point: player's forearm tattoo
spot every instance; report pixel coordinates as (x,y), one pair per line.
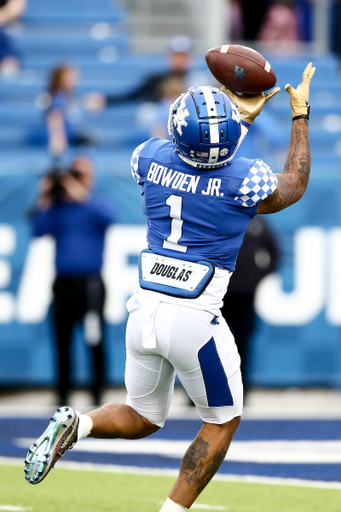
(193,466)
(298,160)
(293,182)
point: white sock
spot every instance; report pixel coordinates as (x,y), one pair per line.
(170,506)
(85,425)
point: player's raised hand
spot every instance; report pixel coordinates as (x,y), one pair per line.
(250,105)
(299,97)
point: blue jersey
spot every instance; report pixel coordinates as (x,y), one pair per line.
(197,214)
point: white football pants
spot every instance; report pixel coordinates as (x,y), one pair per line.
(189,343)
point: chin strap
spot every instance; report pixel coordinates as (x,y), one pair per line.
(200,165)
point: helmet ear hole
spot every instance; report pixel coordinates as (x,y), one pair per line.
(206,127)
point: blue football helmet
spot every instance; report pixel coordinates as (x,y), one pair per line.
(206,127)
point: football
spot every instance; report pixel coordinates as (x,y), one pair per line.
(240,68)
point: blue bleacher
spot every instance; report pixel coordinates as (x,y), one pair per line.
(67,47)
(74,11)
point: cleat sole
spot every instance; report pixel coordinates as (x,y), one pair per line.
(59,436)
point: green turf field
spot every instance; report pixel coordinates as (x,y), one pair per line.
(67,490)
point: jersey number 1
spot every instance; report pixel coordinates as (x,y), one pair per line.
(175,204)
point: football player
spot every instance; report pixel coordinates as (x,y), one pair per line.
(198,200)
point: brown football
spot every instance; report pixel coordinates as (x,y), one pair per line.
(240,68)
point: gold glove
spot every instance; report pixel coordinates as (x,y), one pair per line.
(299,97)
(250,105)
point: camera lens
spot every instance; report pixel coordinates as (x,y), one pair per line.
(75,173)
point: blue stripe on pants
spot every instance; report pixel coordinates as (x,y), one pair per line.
(216,382)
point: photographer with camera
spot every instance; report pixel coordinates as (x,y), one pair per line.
(77,219)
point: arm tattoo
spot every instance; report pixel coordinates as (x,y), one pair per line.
(193,466)
(293,182)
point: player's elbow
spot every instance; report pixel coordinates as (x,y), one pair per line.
(295,185)
(301,188)
(298,192)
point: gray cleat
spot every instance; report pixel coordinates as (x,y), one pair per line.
(60,435)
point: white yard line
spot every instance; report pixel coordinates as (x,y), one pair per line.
(263,452)
(13,508)
(132,470)
(202,506)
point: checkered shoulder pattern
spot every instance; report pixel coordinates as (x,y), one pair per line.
(135,163)
(258,185)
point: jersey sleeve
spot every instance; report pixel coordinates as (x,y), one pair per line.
(259,183)
(135,164)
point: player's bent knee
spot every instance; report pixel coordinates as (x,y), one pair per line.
(124,421)
(235,422)
(147,429)
(232,424)
(229,427)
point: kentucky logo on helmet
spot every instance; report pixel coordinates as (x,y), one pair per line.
(235,112)
(179,118)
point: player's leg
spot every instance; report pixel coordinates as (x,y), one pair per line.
(149,379)
(150,383)
(113,420)
(208,366)
(201,461)
(67,427)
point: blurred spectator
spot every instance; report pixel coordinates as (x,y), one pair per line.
(257,258)
(10,11)
(253,17)
(305,16)
(77,220)
(155,115)
(336,27)
(170,89)
(64,111)
(157,91)
(235,20)
(179,65)
(280,25)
